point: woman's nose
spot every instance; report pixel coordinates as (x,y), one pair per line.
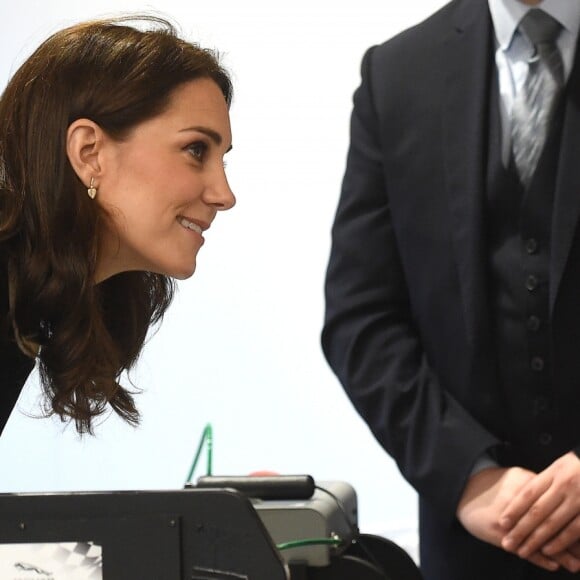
(219,194)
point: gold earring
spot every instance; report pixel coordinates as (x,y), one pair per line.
(92,190)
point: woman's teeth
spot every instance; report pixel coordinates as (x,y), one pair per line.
(190,225)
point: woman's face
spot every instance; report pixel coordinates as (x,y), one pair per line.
(163,185)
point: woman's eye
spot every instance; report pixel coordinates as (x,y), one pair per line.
(197,150)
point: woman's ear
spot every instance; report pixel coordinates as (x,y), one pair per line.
(84,142)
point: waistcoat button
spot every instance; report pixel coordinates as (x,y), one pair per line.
(531,282)
(540,404)
(531,246)
(533,323)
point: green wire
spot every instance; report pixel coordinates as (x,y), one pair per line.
(208,432)
(309,542)
(207,438)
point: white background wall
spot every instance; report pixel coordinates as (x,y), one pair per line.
(240,345)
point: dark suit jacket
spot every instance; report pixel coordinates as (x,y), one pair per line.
(407,324)
(14,365)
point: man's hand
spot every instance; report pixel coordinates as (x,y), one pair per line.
(569,558)
(486,497)
(545,514)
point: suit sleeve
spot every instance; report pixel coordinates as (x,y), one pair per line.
(370,337)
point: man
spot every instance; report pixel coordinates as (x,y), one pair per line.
(453,287)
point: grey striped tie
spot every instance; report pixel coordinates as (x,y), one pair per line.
(535,103)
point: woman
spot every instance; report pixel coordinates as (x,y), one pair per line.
(111,168)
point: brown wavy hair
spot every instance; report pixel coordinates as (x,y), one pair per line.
(118,76)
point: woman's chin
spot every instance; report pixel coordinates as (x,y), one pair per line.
(183,274)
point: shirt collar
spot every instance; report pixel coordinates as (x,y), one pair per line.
(506,15)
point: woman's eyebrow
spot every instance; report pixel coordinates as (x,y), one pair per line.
(213,135)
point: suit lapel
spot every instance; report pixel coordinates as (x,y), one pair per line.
(567,196)
(465,126)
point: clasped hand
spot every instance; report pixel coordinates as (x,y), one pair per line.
(536,516)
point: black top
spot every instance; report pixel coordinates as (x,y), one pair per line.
(14,365)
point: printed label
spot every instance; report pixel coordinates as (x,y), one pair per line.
(54,561)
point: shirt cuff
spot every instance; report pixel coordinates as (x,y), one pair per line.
(483,462)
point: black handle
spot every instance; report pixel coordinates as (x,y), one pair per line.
(264,487)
